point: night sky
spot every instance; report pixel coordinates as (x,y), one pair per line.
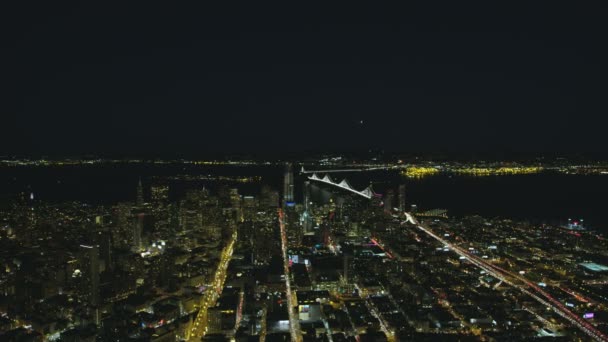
(164,79)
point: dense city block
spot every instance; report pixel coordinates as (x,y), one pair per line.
(216,264)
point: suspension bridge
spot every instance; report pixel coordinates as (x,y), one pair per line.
(367,192)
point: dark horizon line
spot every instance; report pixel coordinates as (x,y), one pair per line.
(303,155)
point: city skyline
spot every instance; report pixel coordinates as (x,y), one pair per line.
(301,252)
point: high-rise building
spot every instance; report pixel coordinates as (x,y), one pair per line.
(288,186)
(140,194)
(388,201)
(173,214)
(293,225)
(249,206)
(307,195)
(236,203)
(345,266)
(138,227)
(307,220)
(121,234)
(104,239)
(89,270)
(402,197)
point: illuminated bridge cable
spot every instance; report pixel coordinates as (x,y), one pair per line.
(367,192)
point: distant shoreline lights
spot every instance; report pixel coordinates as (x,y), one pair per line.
(419,172)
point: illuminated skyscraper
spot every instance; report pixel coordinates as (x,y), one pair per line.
(292,218)
(307,195)
(89,268)
(306,217)
(121,234)
(288,186)
(104,240)
(236,202)
(138,227)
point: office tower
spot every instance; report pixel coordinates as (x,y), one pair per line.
(388,201)
(307,220)
(102,237)
(307,195)
(104,240)
(89,270)
(173,217)
(138,228)
(402,197)
(236,204)
(122,232)
(293,225)
(288,186)
(249,207)
(345,268)
(140,194)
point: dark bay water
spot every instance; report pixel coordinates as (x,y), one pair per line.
(545,197)
(107,184)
